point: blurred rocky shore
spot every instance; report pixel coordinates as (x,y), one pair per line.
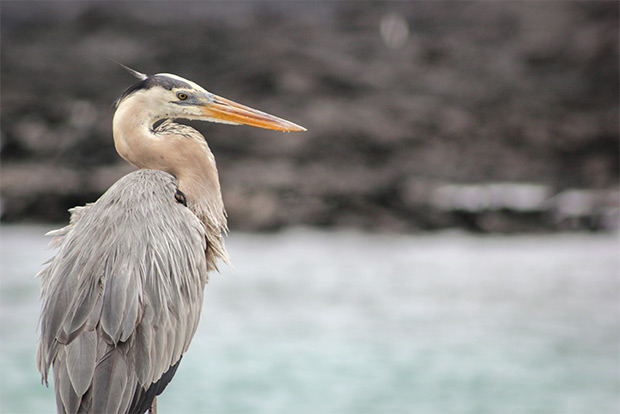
(488,116)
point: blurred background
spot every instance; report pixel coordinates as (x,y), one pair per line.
(420,115)
(447,226)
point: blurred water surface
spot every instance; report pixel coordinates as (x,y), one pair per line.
(346,322)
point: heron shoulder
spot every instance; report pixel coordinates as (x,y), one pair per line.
(155,187)
(139,206)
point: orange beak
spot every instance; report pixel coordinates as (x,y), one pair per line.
(227,110)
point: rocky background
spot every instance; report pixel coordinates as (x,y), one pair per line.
(489,116)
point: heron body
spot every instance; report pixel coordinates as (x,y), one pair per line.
(121,299)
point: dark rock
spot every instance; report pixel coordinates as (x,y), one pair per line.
(399,98)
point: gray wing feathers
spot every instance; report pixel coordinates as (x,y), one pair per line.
(81,355)
(113,383)
(131,311)
(123,296)
(117,299)
(86,306)
(67,401)
(142,360)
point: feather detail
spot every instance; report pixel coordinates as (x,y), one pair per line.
(80,360)
(65,394)
(109,382)
(134,72)
(114,298)
(130,309)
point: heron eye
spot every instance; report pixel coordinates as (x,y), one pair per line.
(182,96)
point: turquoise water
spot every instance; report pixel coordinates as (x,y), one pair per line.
(346,322)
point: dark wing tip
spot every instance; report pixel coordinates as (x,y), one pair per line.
(143,398)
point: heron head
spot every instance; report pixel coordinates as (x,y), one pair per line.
(165,95)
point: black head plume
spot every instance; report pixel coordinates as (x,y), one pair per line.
(135,73)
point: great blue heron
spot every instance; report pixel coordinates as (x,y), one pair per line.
(122,297)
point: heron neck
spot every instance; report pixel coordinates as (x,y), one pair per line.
(179,150)
(174,148)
